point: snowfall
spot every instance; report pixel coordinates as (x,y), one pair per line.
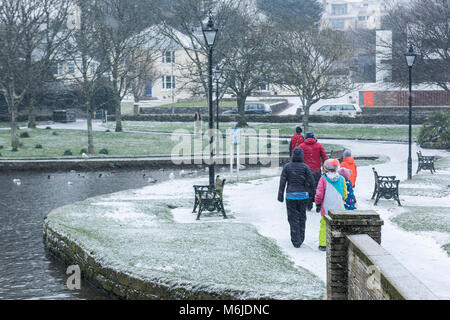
(252,205)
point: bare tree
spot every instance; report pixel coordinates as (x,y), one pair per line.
(43,43)
(83,51)
(311,63)
(141,71)
(122,41)
(247,56)
(424,25)
(17,18)
(182,24)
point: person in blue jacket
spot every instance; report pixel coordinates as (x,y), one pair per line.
(299,179)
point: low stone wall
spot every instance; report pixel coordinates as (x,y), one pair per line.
(374,274)
(358,268)
(115,281)
(8,165)
(276,108)
(369,119)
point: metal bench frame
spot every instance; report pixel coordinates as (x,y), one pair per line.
(425,163)
(386,187)
(209,198)
(336,154)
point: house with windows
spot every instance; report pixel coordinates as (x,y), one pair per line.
(171,62)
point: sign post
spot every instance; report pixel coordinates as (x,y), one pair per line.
(236,140)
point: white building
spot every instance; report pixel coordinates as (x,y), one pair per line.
(353,14)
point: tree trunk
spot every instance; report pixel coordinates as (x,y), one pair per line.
(136,106)
(241,112)
(14,138)
(118,115)
(31,112)
(306,118)
(89,128)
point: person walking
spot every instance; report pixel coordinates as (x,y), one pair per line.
(296,140)
(330,195)
(350,202)
(315,155)
(348,162)
(298,177)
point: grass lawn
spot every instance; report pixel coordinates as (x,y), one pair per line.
(321,130)
(55,142)
(432,186)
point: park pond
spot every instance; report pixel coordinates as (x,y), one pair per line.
(27,272)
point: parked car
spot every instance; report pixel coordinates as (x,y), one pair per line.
(346,110)
(252,108)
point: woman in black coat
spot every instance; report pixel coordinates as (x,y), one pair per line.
(299,181)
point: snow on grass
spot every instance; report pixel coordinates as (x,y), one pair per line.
(147,239)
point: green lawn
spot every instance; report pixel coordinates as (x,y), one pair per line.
(321,130)
(117,144)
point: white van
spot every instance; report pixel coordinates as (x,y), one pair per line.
(346,110)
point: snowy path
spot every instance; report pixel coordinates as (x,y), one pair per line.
(256,203)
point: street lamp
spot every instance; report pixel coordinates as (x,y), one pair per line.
(217,75)
(209,33)
(410,57)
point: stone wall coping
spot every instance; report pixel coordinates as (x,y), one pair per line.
(354,214)
(393,273)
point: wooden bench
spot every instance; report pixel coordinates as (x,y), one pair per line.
(425,163)
(336,154)
(386,187)
(209,198)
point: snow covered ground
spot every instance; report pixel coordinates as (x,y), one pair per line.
(254,202)
(421,252)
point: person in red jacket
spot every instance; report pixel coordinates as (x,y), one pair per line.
(296,140)
(315,155)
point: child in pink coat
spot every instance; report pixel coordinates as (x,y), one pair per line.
(331,193)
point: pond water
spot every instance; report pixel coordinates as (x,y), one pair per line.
(27,271)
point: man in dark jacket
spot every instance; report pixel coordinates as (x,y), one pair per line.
(296,140)
(299,180)
(315,156)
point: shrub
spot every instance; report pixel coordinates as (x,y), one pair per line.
(103,151)
(48,128)
(83,151)
(54,133)
(1,147)
(24,135)
(38,146)
(68,152)
(107,130)
(435,133)
(14,149)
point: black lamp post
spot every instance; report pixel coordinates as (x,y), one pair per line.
(217,75)
(209,33)
(410,57)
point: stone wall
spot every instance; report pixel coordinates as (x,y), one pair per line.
(374,274)
(358,268)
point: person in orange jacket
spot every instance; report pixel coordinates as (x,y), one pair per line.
(349,163)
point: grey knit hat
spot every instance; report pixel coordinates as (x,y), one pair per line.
(347,153)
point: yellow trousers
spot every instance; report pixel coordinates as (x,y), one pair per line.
(323,232)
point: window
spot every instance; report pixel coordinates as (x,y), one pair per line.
(362,18)
(337,24)
(92,70)
(338,9)
(263,87)
(334,108)
(71,68)
(168,56)
(168,82)
(324,108)
(260,107)
(348,108)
